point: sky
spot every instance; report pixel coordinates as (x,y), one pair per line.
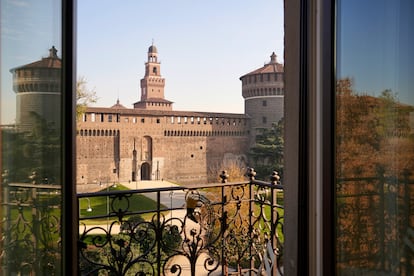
(29,28)
(387,25)
(204,47)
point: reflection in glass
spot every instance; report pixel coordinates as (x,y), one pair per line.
(375,137)
(30,139)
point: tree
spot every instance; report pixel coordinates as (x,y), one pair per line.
(84,96)
(234,168)
(371,133)
(37,150)
(267,154)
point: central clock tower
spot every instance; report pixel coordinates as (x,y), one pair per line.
(152,85)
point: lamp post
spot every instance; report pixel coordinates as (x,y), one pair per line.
(88,209)
(107,203)
(171,199)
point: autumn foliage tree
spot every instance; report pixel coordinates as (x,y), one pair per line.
(84,96)
(371,133)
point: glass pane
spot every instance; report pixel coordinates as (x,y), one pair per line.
(177,118)
(374,137)
(30,140)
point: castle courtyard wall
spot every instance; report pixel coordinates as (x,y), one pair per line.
(114,145)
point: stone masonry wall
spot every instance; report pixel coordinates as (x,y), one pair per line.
(178,146)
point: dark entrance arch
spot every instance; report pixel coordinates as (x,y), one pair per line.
(145,171)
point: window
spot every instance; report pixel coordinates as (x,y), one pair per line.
(351,231)
(264,120)
(22,251)
(264,103)
(381,127)
(67,193)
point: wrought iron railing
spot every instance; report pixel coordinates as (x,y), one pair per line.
(30,228)
(213,229)
(375,225)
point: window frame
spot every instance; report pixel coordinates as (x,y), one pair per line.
(70,228)
(309,143)
(308,34)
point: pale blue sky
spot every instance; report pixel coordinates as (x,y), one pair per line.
(29,28)
(375,40)
(204,47)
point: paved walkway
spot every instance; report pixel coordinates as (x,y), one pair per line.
(173,199)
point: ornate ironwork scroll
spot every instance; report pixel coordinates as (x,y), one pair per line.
(220,229)
(31,228)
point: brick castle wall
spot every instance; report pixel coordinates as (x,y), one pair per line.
(133,145)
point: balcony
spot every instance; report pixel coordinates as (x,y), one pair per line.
(212,229)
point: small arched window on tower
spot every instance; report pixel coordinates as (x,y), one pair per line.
(154,70)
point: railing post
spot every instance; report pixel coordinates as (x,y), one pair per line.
(224,176)
(380,172)
(35,224)
(6,214)
(251,174)
(158,233)
(274,179)
(406,225)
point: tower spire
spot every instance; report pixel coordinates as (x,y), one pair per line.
(53,52)
(273,58)
(152,85)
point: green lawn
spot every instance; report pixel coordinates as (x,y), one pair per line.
(281,212)
(99,205)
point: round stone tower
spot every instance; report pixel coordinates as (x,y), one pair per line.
(263,93)
(38,92)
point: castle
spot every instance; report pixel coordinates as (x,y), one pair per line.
(151,141)
(38,91)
